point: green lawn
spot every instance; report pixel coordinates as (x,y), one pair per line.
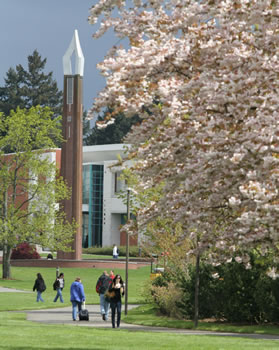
(24,277)
(89,256)
(147,315)
(18,334)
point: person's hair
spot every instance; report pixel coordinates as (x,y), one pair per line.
(117,276)
(61,274)
(78,279)
(40,277)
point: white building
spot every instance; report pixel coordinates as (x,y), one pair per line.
(103,212)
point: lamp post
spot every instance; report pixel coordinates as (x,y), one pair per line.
(127,251)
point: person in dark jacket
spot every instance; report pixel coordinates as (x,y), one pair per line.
(39,286)
(102,286)
(59,285)
(118,289)
(77,296)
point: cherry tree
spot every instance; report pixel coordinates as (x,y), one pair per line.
(203,76)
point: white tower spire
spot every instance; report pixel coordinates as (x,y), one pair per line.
(74,47)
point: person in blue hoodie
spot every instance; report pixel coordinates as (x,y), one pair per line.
(77,296)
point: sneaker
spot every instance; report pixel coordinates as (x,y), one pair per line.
(104,317)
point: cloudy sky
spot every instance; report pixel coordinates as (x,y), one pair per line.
(48,26)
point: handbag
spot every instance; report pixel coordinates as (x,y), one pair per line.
(109,295)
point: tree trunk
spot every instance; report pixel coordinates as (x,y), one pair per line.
(6,267)
(197,286)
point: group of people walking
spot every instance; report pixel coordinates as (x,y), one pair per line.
(110,288)
(58,285)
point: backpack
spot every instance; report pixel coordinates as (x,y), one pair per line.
(56,284)
(43,286)
(98,286)
(102,284)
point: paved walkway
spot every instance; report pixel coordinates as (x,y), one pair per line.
(63,315)
(11,290)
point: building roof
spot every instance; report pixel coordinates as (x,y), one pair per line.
(101,153)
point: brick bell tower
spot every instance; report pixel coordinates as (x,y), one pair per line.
(71,154)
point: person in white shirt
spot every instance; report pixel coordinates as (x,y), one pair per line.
(59,284)
(115,252)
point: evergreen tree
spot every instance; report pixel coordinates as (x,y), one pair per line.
(11,93)
(32,87)
(113,133)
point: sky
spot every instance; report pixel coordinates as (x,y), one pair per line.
(48,26)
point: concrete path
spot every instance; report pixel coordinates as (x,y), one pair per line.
(12,290)
(64,316)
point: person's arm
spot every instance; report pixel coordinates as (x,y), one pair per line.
(35,286)
(122,289)
(82,292)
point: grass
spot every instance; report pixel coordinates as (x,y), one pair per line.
(24,277)
(18,334)
(89,256)
(99,257)
(147,315)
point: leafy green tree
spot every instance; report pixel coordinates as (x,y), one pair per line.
(31,87)
(112,133)
(30,186)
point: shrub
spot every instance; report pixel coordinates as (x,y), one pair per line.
(133,251)
(25,251)
(237,294)
(166,298)
(208,292)
(229,292)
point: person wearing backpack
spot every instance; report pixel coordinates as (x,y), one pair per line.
(40,286)
(58,285)
(102,286)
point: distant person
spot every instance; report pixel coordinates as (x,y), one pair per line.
(77,296)
(118,287)
(111,275)
(49,256)
(59,284)
(40,287)
(102,286)
(115,252)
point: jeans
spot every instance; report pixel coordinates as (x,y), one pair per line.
(39,296)
(115,306)
(76,305)
(59,295)
(104,306)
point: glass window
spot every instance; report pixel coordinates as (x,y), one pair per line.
(119,184)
